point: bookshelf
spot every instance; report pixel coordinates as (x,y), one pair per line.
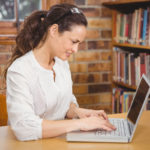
(131,46)
(130,49)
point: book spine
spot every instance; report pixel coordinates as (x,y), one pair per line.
(132,70)
(144,27)
(142,64)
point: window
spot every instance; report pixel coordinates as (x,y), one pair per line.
(12,12)
(23,8)
(7,10)
(27,6)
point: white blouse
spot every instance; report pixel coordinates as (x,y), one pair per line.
(33,95)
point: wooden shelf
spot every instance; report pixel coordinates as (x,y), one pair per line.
(131,45)
(122,84)
(122,2)
(127,6)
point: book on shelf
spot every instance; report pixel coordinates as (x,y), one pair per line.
(133,28)
(145,18)
(129,67)
(133,68)
(121,100)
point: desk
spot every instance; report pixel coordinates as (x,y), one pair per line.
(141,140)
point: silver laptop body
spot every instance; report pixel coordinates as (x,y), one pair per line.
(125,127)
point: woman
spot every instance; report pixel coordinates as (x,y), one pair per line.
(39,85)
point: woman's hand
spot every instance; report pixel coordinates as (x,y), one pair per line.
(93,122)
(89,119)
(83,113)
(75,112)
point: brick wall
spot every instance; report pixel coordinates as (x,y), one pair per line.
(91,66)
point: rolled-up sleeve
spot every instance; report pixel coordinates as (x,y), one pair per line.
(22,118)
(74,100)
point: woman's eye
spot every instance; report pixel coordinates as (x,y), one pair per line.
(74,42)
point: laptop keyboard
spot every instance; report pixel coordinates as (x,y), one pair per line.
(120,129)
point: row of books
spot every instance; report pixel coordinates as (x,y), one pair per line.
(129,67)
(121,100)
(133,28)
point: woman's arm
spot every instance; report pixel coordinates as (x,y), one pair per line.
(56,128)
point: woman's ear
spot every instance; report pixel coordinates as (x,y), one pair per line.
(53,30)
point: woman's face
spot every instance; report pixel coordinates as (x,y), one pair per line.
(67,42)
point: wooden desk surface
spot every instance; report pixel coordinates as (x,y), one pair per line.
(141,140)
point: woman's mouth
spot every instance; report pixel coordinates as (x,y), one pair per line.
(68,54)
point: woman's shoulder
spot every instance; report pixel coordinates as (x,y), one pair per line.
(22,63)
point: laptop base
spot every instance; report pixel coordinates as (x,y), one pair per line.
(90,136)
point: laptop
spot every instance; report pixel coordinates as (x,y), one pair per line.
(125,127)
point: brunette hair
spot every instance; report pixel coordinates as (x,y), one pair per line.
(35,27)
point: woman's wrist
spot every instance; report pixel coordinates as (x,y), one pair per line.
(73,111)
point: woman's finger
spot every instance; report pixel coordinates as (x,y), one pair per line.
(109,125)
(106,128)
(102,114)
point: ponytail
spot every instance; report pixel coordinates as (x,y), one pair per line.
(32,32)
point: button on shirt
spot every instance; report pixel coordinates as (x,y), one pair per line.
(33,95)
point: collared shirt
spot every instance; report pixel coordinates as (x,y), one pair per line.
(34,95)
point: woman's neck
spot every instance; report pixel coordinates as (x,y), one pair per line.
(44,58)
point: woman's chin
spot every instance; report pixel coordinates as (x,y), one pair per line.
(64,58)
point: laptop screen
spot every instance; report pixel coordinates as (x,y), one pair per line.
(138,101)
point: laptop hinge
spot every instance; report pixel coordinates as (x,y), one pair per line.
(129,127)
